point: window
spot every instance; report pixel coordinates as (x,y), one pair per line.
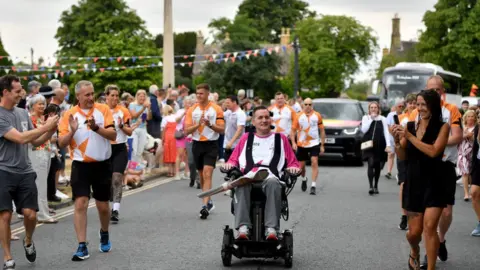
(451,84)
(339,111)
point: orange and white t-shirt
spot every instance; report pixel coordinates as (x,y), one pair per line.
(283,119)
(213,113)
(123,114)
(307,127)
(451,115)
(87,145)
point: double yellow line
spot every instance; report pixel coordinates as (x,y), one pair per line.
(69,212)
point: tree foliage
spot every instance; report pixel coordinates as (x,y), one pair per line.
(332,48)
(241,28)
(91,18)
(270,16)
(358,90)
(452,38)
(184,44)
(4,61)
(108,28)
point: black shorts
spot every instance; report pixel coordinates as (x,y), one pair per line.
(304,154)
(476,174)
(119,158)
(205,153)
(402,170)
(451,182)
(19,188)
(87,176)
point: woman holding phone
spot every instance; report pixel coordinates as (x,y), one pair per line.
(421,145)
(140,112)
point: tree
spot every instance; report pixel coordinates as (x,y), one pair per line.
(241,28)
(4,61)
(358,90)
(108,28)
(91,18)
(451,38)
(332,48)
(270,16)
(258,73)
(184,44)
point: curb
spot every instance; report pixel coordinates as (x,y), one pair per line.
(69,202)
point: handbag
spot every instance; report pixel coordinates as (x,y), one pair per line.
(369,144)
(179,134)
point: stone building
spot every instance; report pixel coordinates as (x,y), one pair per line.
(397,46)
(203,49)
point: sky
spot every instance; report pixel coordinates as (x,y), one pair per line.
(33,23)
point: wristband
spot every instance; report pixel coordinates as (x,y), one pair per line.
(95,128)
(120,126)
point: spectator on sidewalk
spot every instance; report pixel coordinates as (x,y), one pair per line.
(169,125)
(140,112)
(153,125)
(40,158)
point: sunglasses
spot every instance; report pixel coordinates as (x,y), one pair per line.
(433,89)
(307,104)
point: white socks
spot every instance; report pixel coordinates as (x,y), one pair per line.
(314,184)
(116,206)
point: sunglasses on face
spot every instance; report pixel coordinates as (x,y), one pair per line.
(433,89)
(306,104)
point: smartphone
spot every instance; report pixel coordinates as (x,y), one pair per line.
(144,117)
(395,118)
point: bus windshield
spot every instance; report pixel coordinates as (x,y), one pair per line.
(399,83)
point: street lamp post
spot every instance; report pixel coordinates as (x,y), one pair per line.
(296,86)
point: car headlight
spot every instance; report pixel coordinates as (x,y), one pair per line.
(350,131)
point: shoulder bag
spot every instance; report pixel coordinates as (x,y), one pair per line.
(369,144)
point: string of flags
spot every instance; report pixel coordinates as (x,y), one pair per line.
(133,59)
(55,73)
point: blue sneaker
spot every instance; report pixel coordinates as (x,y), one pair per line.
(210,206)
(105,245)
(81,254)
(476,232)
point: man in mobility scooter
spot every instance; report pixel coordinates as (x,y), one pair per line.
(258,206)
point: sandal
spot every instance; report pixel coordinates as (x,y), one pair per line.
(415,262)
(14,238)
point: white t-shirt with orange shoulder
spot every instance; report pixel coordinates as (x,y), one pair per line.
(213,113)
(283,118)
(307,127)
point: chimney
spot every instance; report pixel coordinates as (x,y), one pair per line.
(385,51)
(396,45)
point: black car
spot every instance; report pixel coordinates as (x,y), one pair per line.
(342,119)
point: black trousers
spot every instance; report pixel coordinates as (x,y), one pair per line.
(51,186)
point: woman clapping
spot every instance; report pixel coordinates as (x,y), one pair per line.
(421,145)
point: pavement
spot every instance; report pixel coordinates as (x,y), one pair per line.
(342,227)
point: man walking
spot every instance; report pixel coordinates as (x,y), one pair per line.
(17,177)
(88,128)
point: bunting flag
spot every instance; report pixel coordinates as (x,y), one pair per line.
(133,59)
(61,72)
(473,90)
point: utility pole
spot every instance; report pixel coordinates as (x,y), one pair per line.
(31,55)
(296,86)
(168,57)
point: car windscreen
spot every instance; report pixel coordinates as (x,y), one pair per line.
(339,111)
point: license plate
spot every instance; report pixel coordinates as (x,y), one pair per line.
(330,140)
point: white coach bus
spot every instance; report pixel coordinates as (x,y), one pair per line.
(405,78)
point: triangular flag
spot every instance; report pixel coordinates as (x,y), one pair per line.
(190,64)
(6,70)
(235,54)
(247,56)
(233,59)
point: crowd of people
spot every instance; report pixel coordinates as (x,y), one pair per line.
(114,138)
(434,146)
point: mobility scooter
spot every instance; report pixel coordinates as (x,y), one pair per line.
(257,246)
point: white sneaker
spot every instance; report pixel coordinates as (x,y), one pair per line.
(61,195)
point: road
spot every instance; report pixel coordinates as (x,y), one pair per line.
(342,227)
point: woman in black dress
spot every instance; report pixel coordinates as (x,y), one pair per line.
(375,128)
(421,145)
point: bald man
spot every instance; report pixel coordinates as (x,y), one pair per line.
(308,128)
(452,116)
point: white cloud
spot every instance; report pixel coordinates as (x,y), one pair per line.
(33,23)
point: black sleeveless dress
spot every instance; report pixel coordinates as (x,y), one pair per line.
(424,185)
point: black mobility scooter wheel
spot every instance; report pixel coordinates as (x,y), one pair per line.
(288,244)
(227,246)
